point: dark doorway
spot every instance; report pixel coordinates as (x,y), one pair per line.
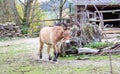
(111,16)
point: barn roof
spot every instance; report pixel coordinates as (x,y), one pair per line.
(96,2)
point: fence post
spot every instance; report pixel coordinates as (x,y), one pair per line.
(43,23)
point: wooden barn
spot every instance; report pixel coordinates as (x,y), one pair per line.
(103,12)
(92,21)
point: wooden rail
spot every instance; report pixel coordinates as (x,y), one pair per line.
(50,20)
(108,20)
(108,11)
(112,31)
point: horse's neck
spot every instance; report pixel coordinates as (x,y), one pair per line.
(58,32)
(59,38)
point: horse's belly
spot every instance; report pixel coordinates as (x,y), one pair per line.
(46,36)
(47,41)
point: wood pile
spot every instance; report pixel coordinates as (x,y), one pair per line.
(10,29)
(115,49)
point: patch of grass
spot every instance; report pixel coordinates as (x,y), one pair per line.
(73,57)
(98,45)
(10,61)
(90,69)
(38,70)
(8,38)
(10,51)
(68,57)
(68,69)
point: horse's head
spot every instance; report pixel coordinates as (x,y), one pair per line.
(65,31)
(66,35)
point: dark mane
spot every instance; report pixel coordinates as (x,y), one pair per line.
(58,24)
(61,24)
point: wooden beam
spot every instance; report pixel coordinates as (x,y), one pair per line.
(84,13)
(111,31)
(107,20)
(108,11)
(50,20)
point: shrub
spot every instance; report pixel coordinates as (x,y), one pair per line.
(98,44)
(24,29)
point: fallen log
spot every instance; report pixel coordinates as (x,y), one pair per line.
(87,51)
(113,47)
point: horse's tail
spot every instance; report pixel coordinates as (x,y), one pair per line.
(40,37)
(41,46)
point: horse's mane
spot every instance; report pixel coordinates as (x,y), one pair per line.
(58,24)
(61,24)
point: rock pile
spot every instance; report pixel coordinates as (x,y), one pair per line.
(10,29)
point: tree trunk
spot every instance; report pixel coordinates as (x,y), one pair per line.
(14,9)
(62,2)
(60,10)
(27,9)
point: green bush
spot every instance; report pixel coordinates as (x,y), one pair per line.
(98,44)
(24,29)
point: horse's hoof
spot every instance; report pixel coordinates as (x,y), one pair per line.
(55,60)
(40,57)
(50,58)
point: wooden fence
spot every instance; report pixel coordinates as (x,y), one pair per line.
(43,23)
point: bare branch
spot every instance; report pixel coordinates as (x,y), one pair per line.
(33,9)
(22,3)
(64,3)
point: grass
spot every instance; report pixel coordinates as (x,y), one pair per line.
(13,61)
(16,59)
(73,57)
(7,53)
(2,39)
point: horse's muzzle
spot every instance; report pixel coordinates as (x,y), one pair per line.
(67,41)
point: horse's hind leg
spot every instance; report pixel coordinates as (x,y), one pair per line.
(49,46)
(40,49)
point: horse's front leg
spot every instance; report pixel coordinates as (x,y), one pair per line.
(56,53)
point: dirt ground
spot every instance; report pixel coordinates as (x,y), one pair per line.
(30,57)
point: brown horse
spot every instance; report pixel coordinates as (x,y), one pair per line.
(52,35)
